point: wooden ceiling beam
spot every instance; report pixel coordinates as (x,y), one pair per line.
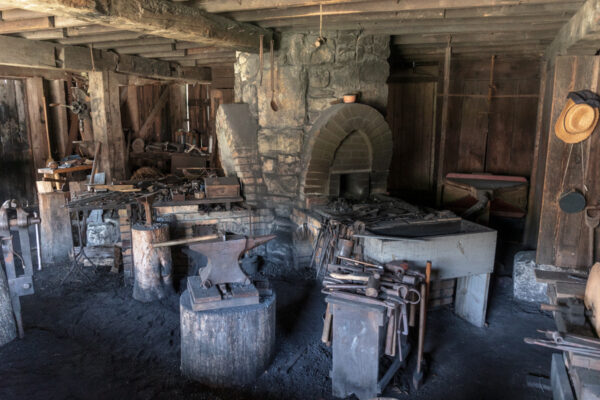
(90,39)
(387,7)
(17,14)
(390,18)
(46,34)
(215,54)
(503,37)
(147,41)
(229,6)
(144,49)
(440,28)
(25,25)
(582,26)
(157,17)
(52,56)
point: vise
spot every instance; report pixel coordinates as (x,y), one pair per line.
(13,216)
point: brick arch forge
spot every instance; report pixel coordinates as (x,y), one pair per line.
(328,133)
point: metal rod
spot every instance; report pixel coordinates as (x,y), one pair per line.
(37,243)
(422,320)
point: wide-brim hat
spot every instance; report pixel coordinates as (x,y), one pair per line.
(576,122)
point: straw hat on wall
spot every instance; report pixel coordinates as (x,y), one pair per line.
(578,118)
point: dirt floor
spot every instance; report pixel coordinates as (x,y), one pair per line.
(93,341)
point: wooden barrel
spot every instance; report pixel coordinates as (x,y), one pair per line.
(152,267)
(8,326)
(229,346)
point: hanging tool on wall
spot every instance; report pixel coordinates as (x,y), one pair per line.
(261,57)
(591,216)
(274,106)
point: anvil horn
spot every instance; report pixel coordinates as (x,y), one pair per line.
(257,241)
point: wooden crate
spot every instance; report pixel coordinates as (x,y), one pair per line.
(225,187)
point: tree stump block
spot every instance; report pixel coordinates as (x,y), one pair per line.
(55,229)
(152,267)
(8,326)
(228,346)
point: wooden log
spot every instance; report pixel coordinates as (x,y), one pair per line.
(152,267)
(227,347)
(8,327)
(162,18)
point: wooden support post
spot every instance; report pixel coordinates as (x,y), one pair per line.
(152,266)
(444,123)
(59,126)
(177,114)
(8,327)
(106,123)
(37,131)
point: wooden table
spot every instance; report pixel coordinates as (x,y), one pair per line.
(55,173)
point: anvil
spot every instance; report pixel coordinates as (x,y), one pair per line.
(223,258)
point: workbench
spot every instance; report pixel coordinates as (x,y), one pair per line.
(55,173)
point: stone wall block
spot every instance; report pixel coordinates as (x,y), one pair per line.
(290,95)
(318,77)
(345,50)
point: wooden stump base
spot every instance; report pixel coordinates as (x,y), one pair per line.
(228,346)
(152,267)
(8,326)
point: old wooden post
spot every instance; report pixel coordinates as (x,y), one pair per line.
(152,267)
(8,327)
(57,237)
(106,122)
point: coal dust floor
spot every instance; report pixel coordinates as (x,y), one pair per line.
(93,341)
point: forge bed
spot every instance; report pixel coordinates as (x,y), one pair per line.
(466,254)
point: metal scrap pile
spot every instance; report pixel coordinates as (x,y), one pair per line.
(393,285)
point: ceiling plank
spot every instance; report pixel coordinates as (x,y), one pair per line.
(389,18)
(158,17)
(149,41)
(16,14)
(52,56)
(395,28)
(389,8)
(24,25)
(473,37)
(582,26)
(224,6)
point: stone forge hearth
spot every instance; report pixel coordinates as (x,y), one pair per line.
(347,153)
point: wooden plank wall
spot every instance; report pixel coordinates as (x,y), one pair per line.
(16,158)
(563,239)
(499,136)
(496,137)
(411,116)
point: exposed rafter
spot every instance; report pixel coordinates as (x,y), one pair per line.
(156,17)
(45,55)
(581,35)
